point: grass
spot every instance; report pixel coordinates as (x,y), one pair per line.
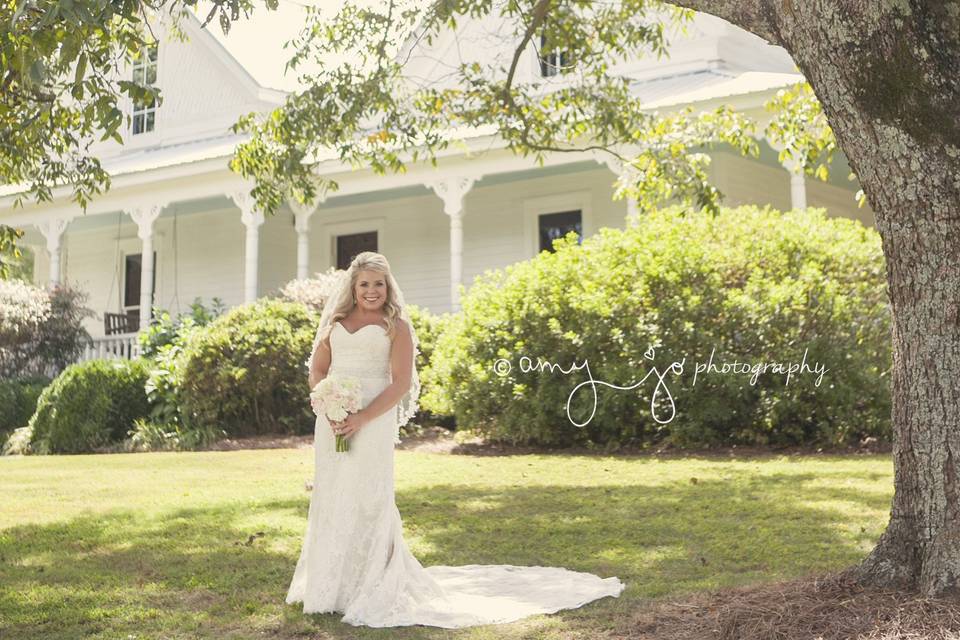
(164,545)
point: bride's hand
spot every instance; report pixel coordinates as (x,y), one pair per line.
(349,425)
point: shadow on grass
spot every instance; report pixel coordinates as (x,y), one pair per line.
(482,447)
(206,572)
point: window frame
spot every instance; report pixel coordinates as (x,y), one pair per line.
(534,207)
(144,64)
(331,230)
(124,307)
(540,217)
(335,258)
(556,61)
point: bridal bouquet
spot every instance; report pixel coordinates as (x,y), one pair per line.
(336,397)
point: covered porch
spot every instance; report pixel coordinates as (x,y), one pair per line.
(439,227)
(207,241)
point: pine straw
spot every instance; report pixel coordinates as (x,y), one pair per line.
(822,607)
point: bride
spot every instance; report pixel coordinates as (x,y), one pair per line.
(354,559)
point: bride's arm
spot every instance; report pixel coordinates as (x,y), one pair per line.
(401,366)
(319,362)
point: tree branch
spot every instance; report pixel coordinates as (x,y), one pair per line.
(539,16)
(761,17)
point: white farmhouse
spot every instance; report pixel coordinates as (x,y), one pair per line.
(173,196)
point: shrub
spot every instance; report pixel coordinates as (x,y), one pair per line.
(41,331)
(17,443)
(151,436)
(244,371)
(429,327)
(163,385)
(23,310)
(758,286)
(163,330)
(314,291)
(18,260)
(90,405)
(18,401)
(63,338)
(163,343)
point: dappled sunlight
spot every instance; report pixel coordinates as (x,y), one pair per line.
(479,505)
(193,542)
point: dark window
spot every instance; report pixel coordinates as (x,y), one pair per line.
(557,225)
(553,62)
(351,244)
(131,279)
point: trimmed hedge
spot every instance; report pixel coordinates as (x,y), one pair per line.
(755,285)
(429,327)
(244,371)
(90,405)
(18,401)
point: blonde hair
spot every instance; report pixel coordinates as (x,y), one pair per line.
(344,304)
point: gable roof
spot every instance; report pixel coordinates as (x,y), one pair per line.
(266,58)
(256,47)
(256,44)
(192,26)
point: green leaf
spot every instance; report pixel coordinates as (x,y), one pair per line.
(81,70)
(37,71)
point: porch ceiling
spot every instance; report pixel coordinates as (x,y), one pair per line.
(118,219)
(494,179)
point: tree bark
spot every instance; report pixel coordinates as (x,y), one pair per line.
(888,77)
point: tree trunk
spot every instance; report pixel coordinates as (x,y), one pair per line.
(888,78)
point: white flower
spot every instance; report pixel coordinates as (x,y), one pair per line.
(336,396)
(23,307)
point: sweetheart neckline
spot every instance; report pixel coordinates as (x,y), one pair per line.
(349,333)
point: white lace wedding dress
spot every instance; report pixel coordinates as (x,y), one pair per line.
(354,558)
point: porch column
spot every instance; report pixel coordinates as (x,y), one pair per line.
(301,215)
(798,184)
(452,191)
(52,230)
(633,212)
(145,216)
(252,220)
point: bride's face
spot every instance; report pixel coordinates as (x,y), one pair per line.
(370,290)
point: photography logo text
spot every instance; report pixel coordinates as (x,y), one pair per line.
(660,377)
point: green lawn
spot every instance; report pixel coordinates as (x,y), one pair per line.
(158,545)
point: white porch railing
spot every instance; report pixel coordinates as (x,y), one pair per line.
(123,346)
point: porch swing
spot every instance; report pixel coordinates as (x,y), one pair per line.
(124,322)
(127,322)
